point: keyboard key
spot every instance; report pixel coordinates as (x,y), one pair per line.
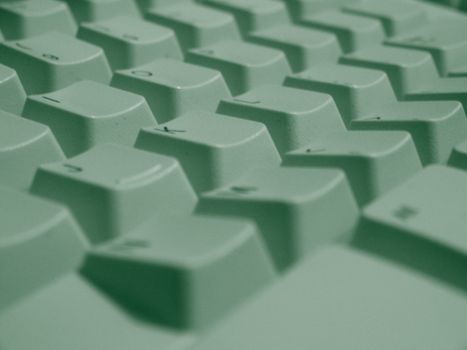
(409,70)
(88,113)
(112,189)
(130,42)
(300,9)
(293,117)
(195,25)
(184,259)
(24,145)
(294,208)
(39,242)
(98,10)
(173,88)
(145,5)
(244,66)
(458,156)
(12,94)
(53,61)
(356,91)
(445,40)
(304,47)
(422,224)
(253,15)
(354,32)
(343,299)
(397,17)
(436,127)
(212,159)
(22,19)
(374,161)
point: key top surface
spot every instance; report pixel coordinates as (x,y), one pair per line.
(87,113)
(397,17)
(173,88)
(422,224)
(445,40)
(24,146)
(354,32)
(184,260)
(253,15)
(243,65)
(374,161)
(293,117)
(291,206)
(113,189)
(39,241)
(341,299)
(130,42)
(21,19)
(97,10)
(52,61)
(304,47)
(195,25)
(212,159)
(12,94)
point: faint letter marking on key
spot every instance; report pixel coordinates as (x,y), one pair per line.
(404,213)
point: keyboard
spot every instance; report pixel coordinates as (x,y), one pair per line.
(233,174)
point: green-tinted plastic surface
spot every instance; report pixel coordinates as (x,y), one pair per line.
(244,66)
(233,174)
(53,61)
(24,146)
(212,159)
(112,189)
(284,203)
(130,42)
(21,19)
(88,113)
(173,88)
(39,239)
(195,25)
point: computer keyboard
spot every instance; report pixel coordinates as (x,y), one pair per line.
(233,174)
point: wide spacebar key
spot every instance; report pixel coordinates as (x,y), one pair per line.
(343,299)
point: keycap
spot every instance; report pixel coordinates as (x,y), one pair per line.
(374,161)
(199,268)
(397,17)
(444,40)
(88,113)
(356,91)
(145,5)
(110,327)
(173,88)
(112,189)
(130,42)
(243,65)
(12,94)
(305,8)
(24,145)
(22,19)
(293,117)
(304,47)
(212,159)
(458,157)
(253,15)
(409,70)
(342,299)
(294,208)
(97,10)
(354,32)
(421,224)
(436,127)
(195,25)
(52,61)
(39,242)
